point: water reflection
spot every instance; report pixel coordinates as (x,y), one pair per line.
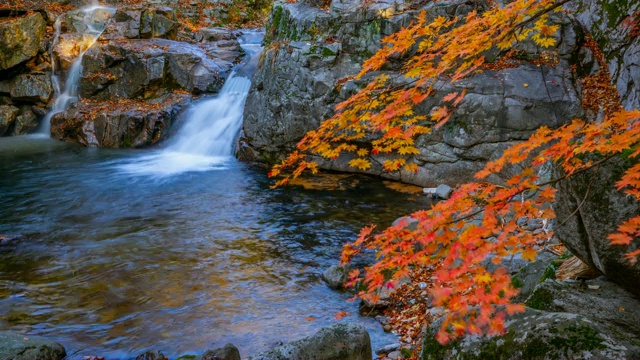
(114,264)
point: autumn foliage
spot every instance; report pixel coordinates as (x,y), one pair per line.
(482,221)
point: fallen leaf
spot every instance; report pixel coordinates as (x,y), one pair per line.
(340,314)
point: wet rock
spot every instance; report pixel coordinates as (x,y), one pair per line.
(150,68)
(215,34)
(78,22)
(24,123)
(228,352)
(600,209)
(158,23)
(443,191)
(20,39)
(344,341)
(535,334)
(8,114)
(124,24)
(152,355)
(123,125)
(32,88)
(335,276)
(25,347)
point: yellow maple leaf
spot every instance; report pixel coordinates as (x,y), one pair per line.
(360,163)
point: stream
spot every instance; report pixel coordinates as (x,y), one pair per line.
(179,247)
(113,263)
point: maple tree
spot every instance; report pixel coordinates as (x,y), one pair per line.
(481,220)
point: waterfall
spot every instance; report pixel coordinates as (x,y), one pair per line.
(213,124)
(210,127)
(206,140)
(94,27)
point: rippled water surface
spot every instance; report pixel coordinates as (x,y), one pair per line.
(112,263)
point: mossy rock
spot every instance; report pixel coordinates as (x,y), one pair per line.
(532,335)
(25,347)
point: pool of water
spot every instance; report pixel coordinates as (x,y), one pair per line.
(113,262)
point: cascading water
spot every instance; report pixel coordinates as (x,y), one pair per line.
(95,20)
(211,127)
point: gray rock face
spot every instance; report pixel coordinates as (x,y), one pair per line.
(534,335)
(20,39)
(24,347)
(295,89)
(150,68)
(600,300)
(602,208)
(338,342)
(8,114)
(128,124)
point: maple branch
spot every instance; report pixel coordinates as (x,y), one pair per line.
(550,182)
(539,14)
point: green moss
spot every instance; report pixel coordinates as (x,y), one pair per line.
(549,273)
(616,11)
(516,282)
(578,338)
(569,340)
(326,52)
(432,349)
(406,353)
(540,299)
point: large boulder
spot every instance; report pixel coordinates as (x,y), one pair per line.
(345,341)
(535,335)
(150,68)
(20,39)
(296,88)
(592,208)
(125,124)
(25,347)
(601,301)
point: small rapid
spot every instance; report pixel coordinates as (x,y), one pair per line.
(95,21)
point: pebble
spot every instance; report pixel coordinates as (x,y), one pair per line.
(395,355)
